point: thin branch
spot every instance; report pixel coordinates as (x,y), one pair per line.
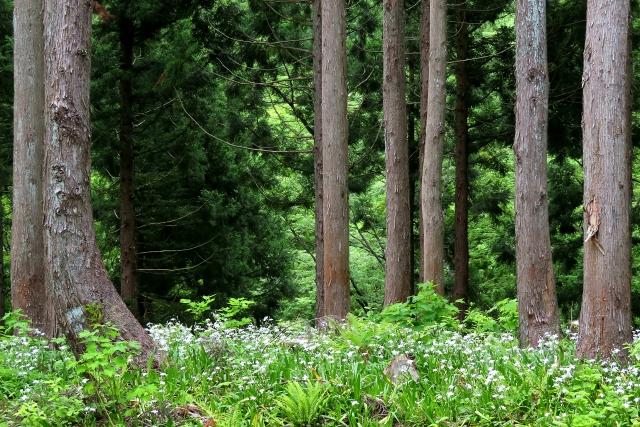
(261,150)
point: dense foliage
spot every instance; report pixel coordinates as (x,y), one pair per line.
(470,373)
(223,122)
(222,112)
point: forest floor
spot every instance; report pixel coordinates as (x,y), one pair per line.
(289,374)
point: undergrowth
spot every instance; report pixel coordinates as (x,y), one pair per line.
(219,373)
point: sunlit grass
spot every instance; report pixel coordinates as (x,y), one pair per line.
(289,374)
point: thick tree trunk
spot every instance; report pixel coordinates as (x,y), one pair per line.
(334,160)
(432,213)
(397,287)
(317,156)
(128,257)
(424,103)
(537,302)
(461,244)
(28,291)
(80,290)
(605,317)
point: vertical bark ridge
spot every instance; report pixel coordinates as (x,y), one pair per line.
(397,286)
(80,290)
(317,155)
(432,214)
(537,302)
(334,160)
(461,244)
(128,257)
(605,316)
(28,291)
(424,103)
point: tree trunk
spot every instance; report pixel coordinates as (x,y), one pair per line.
(27,253)
(1,261)
(317,155)
(605,317)
(424,103)
(537,302)
(432,213)
(397,287)
(128,257)
(414,176)
(80,290)
(461,244)
(334,160)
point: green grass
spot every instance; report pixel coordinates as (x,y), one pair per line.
(291,375)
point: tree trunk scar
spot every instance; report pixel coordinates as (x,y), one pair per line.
(592,210)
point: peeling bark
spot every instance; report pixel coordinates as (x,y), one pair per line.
(78,283)
(605,317)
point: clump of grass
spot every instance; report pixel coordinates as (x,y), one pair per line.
(289,374)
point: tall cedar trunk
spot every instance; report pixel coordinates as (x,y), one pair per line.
(461,244)
(432,213)
(1,261)
(28,291)
(317,154)
(334,160)
(424,102)
(414,174)
(397,287)
(537,302)
(128,258)
(605,317)
(79,287)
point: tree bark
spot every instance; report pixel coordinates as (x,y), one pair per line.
(605,317)
(537,302)
(424,103)
(414,176)
(1,261)
(28,291)
(397,286)
(80,290)
(317,156)
(461,243)
(432,213)
(128,257)
(334,160)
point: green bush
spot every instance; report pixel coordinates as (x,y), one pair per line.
(425,309)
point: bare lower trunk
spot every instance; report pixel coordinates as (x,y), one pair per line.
(461,244)
(128,257)
(80,290)
(334,160)
(414,174)
(1,260)
(397,286)
(605,317)
(537,302)
(432,213)
(424,103)
(27,253)
(317,155)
